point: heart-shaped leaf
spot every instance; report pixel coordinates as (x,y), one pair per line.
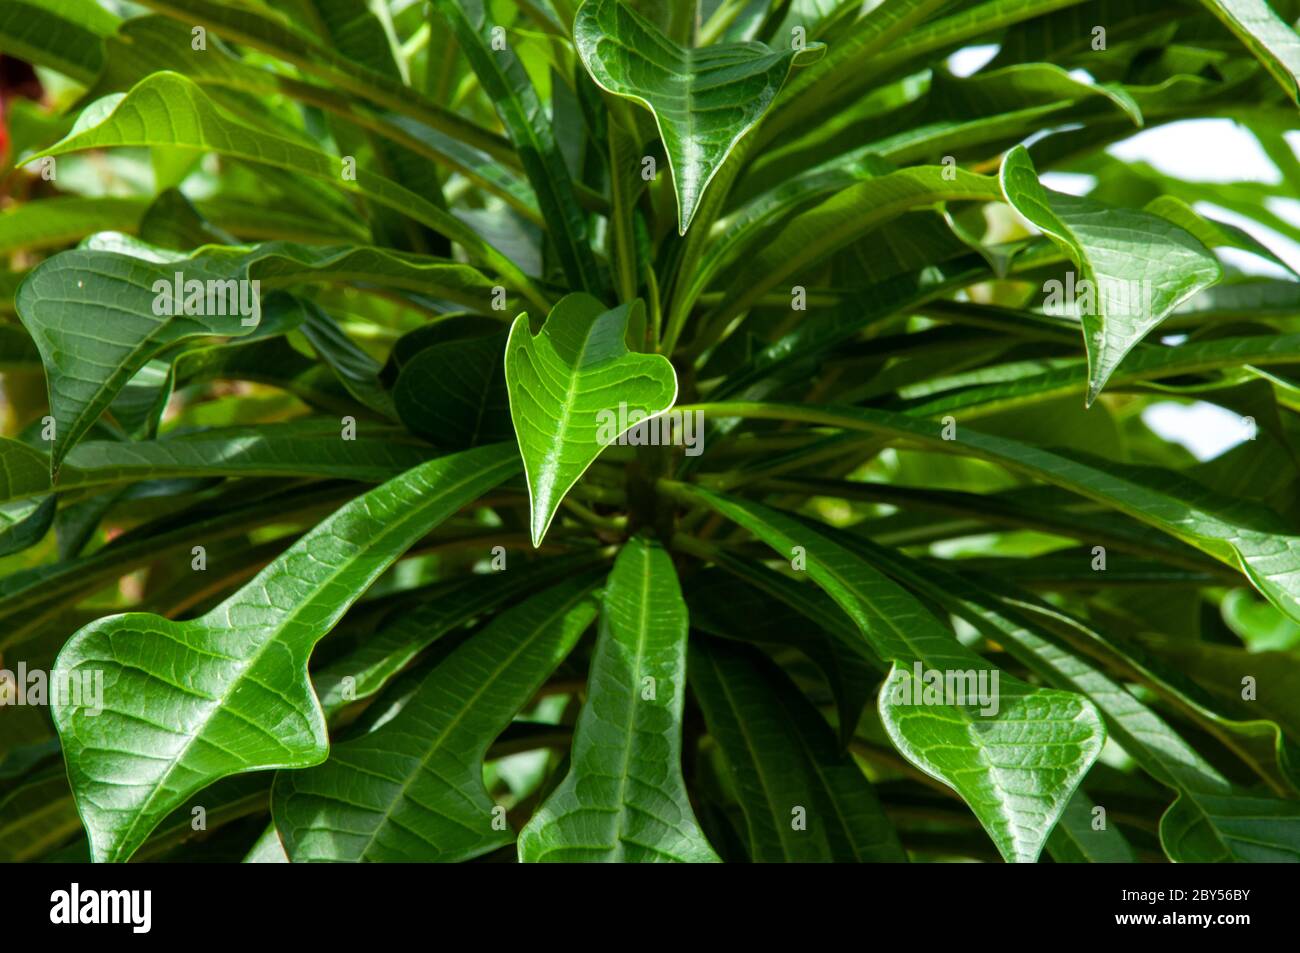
(624,798)
(1212,820)
(575,389)
(704,100)
(1015,753)
(1139,266)
(186,703)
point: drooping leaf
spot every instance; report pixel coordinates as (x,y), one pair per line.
(1015,754)
(1140,266)
(412,789)
(703,100)
(187,703)
(574,389)
(624,798)
(1211,821)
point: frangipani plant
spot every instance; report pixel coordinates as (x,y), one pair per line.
(645,431)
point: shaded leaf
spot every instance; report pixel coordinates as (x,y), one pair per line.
(787,769)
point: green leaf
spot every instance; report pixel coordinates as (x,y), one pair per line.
(409,631)
(64,35)
(623,798)
(785,764)
(1016,755)
(454,393)
(412,789)
(704,100)
(89,361)
(848,64)
(267,850)
(843,218)
(187,703)
(1243,535)
(170,110)
(763,606)
(1140,266)
(973,117)
(32,599)
(304,448)
(1071,377)
(504,80)
(309,448)
(1077,839)
(574,390)
(24,471)
(260,28)
(24,523)
(65,219)
(147,44)
(36,817)
(1211,232)
(1273,41)
(1211,821)
(69,303)
(363,32)
(357,370)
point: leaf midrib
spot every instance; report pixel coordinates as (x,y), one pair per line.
(242,668)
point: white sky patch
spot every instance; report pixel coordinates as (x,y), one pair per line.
(1200,150)
(1206,430)
(970,59)
(1071,183)
(1250,263)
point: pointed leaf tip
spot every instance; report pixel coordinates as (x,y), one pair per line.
(627,55)
(574,389)
(1132,268)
